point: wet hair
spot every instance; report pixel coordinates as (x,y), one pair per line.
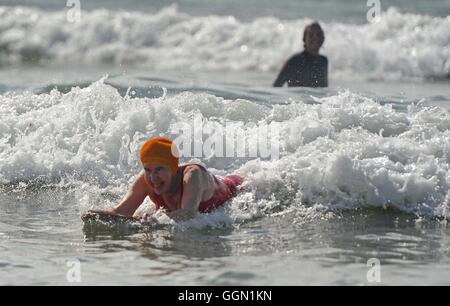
(316,26)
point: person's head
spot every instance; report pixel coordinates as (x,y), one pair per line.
(313,38)
(159,157)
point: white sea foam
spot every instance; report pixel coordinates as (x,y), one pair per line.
(400,46)
(345,152)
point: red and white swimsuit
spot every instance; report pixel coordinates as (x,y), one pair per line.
(220,196)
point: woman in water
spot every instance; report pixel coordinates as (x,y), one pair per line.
(182,190)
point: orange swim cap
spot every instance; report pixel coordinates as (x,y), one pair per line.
(160,150)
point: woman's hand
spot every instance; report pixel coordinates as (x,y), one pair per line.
(107,211)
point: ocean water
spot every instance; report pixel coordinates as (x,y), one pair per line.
(361,170)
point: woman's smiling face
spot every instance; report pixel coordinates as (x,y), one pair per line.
(159,177)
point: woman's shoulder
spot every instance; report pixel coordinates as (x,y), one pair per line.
(196,170)
(323,58)
(192,167)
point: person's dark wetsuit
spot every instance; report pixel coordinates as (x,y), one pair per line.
(304,69)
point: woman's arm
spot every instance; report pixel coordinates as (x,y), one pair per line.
(325,81)
(282,76)
(131,201)
(195,183)
(134,197)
